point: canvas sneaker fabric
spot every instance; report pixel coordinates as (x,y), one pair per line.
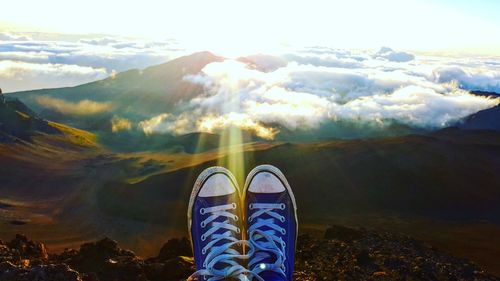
(271,220)
(214,214)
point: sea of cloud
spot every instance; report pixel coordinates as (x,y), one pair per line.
(264,93)
(311,87)
(28,63)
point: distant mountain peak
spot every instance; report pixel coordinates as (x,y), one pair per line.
(192,63)
(140,93)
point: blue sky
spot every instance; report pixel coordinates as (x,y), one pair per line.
(487,9)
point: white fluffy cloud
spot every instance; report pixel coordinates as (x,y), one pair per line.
(319,87)
(7,36)
(120,124)
(108,54)
(263,93)
(17,75)
(478,78)
(167,123)
(210,123)
(81,108)
(391,55)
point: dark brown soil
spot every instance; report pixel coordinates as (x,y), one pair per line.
(343,254)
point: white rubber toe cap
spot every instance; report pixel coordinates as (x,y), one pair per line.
(217,185)
(265,182)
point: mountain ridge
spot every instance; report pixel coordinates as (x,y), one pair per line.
(140,95)
(159,86)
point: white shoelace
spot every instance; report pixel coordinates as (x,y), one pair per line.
(221,260)
(267,245)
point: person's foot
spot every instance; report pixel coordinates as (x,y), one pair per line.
(213,217)
(271,215)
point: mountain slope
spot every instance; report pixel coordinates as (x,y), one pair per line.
(140,95)
(135,93)
(488,119)
(442,186)
(34,151)
(451,174)
(19,124)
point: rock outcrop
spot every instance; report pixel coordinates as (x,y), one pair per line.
(343,254)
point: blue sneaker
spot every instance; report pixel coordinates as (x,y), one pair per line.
(213,217)
(271,214)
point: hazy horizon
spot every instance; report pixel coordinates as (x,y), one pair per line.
(51,44)
(238,27)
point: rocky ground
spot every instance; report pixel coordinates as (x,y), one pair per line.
(343,254)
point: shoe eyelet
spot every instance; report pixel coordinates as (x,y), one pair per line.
(204,264)
(203,224)
(203,251)
(235,218)
(238,230)
(202,211)
(203,237)
(234,205)
(250,206)
(282,206)
(250,219)
(283,231)
(282,219)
